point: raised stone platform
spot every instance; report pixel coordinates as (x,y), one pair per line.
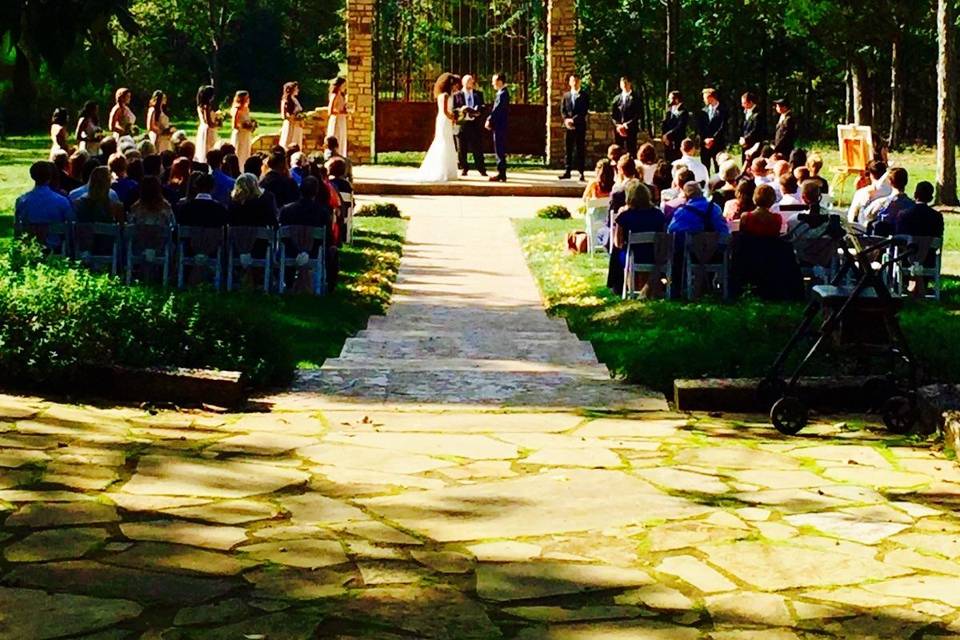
(380,180)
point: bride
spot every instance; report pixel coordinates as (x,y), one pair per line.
(440,163)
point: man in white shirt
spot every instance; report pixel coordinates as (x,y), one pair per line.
(879,187)
(789,199)
(689,159)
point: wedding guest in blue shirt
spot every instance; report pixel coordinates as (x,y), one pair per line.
(697,214)
(222,183)
(42,205)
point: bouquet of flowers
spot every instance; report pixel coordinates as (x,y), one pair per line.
(168,130)
(250,125)
(219,117)
(300,117)
(97,135)
(133,130)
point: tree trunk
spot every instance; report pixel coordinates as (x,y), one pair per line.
(673,23)
(896,92)
(23,97)
(848,86)
(946,105)
(862,103)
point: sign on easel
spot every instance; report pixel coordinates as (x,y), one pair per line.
(856,146)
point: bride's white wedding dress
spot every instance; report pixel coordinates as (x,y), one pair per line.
(440,163)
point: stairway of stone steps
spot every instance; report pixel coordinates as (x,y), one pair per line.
(467,326)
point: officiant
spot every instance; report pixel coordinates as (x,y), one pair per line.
(573,109)
(468,104)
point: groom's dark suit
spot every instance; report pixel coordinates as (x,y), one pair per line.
(469,139)
(498,124)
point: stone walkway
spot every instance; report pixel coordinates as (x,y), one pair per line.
(409,490)
(369,524)
(466,325)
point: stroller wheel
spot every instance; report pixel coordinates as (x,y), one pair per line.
(789,415)
(899,415)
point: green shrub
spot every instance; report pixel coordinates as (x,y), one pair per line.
(554,212)
(379,210)
(57,320)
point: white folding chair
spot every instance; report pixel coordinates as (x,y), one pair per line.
(598,210)
(915,269)
(242,242)
(90,242)
(202,249)
(700,262)
(662,265)
(148,245)
(302,248)
(349,205)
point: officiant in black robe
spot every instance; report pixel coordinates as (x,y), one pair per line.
(469,102)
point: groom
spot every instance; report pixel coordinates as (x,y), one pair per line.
(470,103)
(497,123)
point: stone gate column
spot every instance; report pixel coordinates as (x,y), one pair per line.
(360,17)
(561,52)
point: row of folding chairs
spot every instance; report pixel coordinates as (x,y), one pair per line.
(218,255)
(706,262)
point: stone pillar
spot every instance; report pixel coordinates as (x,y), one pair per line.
(561,61)
(360,21)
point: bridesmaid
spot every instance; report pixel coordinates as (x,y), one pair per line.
(58,132)
(122,118)
(291,134)
(207,131)
(243,126)
(337,122)
(158,122)
(88,131)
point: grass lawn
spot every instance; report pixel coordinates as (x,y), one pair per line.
(653,343)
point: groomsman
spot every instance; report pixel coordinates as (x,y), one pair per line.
(626,117)
(497,123)
(751,138)
(673,131)
(787,128)
(470,100)
(712,128)
(573,108)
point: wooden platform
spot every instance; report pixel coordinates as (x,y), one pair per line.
(382,180)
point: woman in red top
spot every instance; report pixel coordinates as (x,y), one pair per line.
(762,222)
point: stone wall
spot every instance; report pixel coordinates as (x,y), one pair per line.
(360,20)
(561,61)
(314,133)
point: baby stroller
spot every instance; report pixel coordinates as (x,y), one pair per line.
(855,315)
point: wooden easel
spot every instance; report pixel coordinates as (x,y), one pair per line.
(856,150)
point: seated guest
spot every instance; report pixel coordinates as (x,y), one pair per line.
(670,207)
(76,163)
(698,214)
(922,219)
(202,210)
(336,169)
(79,192)
(729,175)
(179,179)
(254,165)
(135,170)
(151,208)
(647,161)
(62,164)
(761,172)
(878,187)
(333,151)
(762,222)
(42,205)
(813,224)
(815,165)
(146,148)
(298,167)
(627,170)
(742,201)
(789,198)
(662,180)
(802,174)
(798,158)
(614,153)
(231,165)
(96,205)
(640,216)
(227,149)
(882,216)
(124,186)
(308,210)
(602,183)
(222,183)
(689,159)
(153,166)
(108,147)
(277,182)
(251,206)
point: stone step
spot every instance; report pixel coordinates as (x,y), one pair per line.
(485,366)
(403,318)
(547,348)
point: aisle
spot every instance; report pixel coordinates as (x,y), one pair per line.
(467,325)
